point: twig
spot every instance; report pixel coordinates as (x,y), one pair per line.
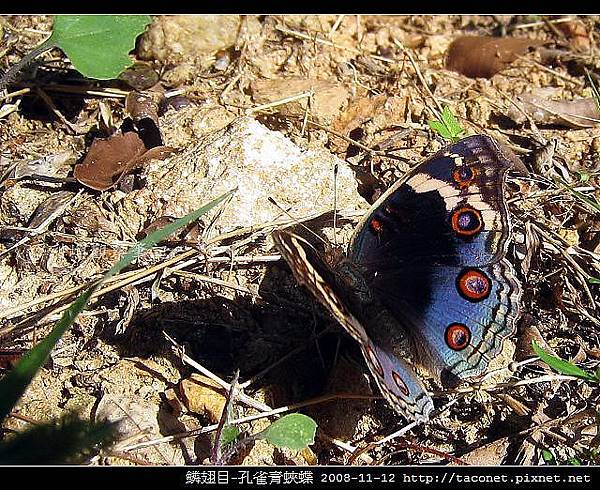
(420,76)
(285,100)
(216,456)
(221,382)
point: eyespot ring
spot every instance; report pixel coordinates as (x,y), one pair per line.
(457,336)
(473,285)
(374,361)
(464,175)
(400,384)
(376,226)
(466,221)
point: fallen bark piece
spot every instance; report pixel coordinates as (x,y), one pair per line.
(484,56)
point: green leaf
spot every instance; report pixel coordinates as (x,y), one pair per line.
(593,280)
(229,434)
(548,457)
(295,431)
(574,461)
(448,127)
(98,45)
(440,128)
(451,122)
(583,176)
(69,440)
(564,367)
(590,202)
(14,384)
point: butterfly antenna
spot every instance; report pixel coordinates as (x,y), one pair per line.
(295,220)
(335,174)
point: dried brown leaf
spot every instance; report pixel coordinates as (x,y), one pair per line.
(484,56)
(524,350)
(359,110)
(202,395)
(55,165)
(578,113)
(107,159)
(493,453)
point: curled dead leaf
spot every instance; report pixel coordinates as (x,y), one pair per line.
(108,159)
(484,56)
(537,105)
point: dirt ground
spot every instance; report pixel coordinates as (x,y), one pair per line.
(272,104)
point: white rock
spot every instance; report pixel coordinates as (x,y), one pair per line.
(261,163)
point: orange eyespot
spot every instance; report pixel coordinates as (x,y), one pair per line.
(466,221)
(376,225)
(374,361)
(473,285)
(400,384)
(457,336)
(464,175)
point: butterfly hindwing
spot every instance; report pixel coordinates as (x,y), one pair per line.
(396,379)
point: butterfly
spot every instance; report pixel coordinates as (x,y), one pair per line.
(424,286)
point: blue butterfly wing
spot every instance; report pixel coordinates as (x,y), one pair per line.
(456,337)
(432,250)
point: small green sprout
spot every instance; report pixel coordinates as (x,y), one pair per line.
(448,127)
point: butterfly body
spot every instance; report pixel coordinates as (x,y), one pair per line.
(425,280)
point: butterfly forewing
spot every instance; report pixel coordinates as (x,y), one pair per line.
(432,250)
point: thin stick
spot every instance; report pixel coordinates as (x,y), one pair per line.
(335,174)
(420,76)
(275,103)
(272,201)
(209,374)
(241,420)
(225,416)
(292,353)
(335,26)
(543,22)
